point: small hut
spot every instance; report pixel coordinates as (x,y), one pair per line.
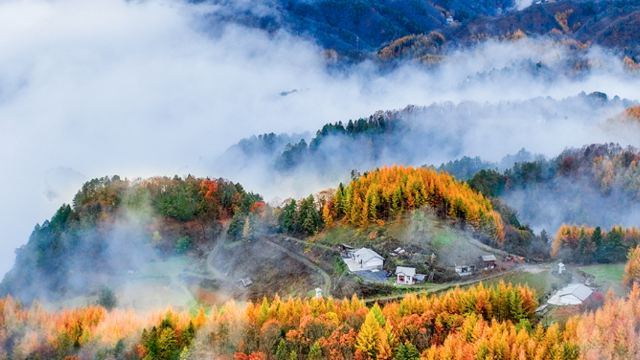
(489,261)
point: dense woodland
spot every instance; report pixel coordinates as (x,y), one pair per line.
(479,323)
(356,30)
(398,137)
(594,245)
(384,193)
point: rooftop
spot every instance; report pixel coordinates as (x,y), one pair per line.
(574,294)
(367,254)
(488,258)
(409,271)
(580,291)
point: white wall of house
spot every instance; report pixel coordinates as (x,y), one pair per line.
(404,279)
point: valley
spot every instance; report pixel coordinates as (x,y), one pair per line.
(320,180)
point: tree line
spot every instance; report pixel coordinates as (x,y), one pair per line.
(587,245)
(479,322)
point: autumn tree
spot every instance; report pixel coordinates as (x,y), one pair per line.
(632,270)
(369,335)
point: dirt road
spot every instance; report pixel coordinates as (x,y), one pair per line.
(326,288)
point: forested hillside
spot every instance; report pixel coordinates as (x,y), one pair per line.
(359,29)
(596,185)
(397,137)
(116,225)
(385,193)
(607,24)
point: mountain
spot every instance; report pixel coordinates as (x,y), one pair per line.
(353,28)
(609,24)
(116,226)
(359,29)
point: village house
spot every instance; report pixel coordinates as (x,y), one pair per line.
(465,270)
(489,261)
(405,275)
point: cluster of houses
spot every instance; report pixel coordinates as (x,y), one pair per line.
(365,259)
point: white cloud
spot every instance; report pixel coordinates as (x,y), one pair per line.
(137,88)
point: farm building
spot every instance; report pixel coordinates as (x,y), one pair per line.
(574,294)
(345,249)
(465,270)
(489,261)
(367,259)
(405,275)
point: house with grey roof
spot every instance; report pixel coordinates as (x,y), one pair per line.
(489,261)
(405,275)
(366,259)
(574,294)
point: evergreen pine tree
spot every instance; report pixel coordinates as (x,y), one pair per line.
(412,352)
(282,351)
(315,353)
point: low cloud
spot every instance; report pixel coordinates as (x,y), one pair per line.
(142,88)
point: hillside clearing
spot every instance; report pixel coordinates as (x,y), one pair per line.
(607,276)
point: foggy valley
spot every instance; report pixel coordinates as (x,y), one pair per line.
(320,179)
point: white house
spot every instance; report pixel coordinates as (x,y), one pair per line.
(574,294)
(465,270)
(367,259)
(405,275)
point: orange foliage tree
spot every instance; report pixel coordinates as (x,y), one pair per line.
(477,323)
(586,244)
(383,193)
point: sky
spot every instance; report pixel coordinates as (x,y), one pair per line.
(142,88)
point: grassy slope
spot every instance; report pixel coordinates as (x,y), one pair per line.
(607,276)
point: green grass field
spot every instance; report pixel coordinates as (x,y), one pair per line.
(607,276)
(359,237)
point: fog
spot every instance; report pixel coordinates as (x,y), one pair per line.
(144,88)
